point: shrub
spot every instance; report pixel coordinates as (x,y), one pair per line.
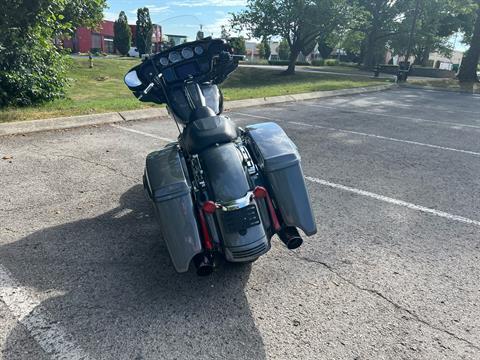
(318,62)
(37,74)
(286,62)
(349,64)
(331,62)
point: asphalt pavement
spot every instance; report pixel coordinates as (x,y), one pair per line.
(393,272)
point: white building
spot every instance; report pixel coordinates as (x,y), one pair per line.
(446,63)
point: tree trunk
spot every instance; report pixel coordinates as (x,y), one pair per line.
(468,69)
(294,52)
(369,58)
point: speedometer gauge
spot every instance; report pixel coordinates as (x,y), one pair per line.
(163,61)
(198,50)
(187,53)
(174,57)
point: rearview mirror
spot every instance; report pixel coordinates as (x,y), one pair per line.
(132,80)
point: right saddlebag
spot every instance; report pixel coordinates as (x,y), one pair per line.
(279,161)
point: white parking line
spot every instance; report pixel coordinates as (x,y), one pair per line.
(142,133)
(415,119)
(393,201)
(27,309)
(387,199)
(363,134)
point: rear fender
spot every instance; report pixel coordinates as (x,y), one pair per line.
(229,186)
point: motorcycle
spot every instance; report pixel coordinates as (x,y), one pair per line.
(220,191)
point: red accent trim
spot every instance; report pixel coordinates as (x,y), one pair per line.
(207,240)
(261,192)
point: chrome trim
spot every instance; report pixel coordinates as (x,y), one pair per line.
(238,203)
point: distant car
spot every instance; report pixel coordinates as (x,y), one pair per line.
(133,52)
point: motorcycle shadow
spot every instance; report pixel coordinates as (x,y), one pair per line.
(108,282)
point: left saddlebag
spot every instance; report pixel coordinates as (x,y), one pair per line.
(166,183)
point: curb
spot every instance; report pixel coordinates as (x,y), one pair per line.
(434,88)
(25,127)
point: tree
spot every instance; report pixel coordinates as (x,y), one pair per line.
(299,22)
(435,22)
(32,67)
(238,45)
(261,50)
(144,31)
(283,50)
(380,22)
(122,34)
(469,66)
(266,46)
(224,34)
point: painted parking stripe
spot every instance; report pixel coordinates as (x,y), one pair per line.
(415,119)
(386,199)
(142,133)
(364,134)
(393,201)
(27,309)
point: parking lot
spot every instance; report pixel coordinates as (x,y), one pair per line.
(393,272)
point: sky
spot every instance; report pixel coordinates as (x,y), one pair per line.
(180,17)
(183,17)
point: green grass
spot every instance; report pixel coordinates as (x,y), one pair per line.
(101,89)
(248,83)
(447,84)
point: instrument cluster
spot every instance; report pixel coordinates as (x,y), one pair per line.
(175,56)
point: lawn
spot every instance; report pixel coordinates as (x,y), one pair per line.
(101,89)
(448,84)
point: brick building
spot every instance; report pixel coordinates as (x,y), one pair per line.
(101,39)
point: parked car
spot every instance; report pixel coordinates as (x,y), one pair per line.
(133,52)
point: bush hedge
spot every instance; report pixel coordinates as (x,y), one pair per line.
(286,62)
(318,62)
(331,62)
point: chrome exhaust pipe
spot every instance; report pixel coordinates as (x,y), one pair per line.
(204,263)
(290,237)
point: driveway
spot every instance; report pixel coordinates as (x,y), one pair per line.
(392,273)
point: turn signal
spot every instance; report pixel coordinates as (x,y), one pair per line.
(209,207)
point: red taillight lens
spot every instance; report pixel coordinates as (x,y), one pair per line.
(260,192)
(209,207)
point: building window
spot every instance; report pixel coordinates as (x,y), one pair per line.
(97,42)
(108,45)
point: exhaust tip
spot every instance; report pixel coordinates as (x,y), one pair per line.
(291,238)
(204,264)
(294,243)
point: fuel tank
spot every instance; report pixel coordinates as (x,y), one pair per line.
(279,161)
(166,183)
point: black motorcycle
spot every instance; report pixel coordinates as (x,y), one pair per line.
(220,191)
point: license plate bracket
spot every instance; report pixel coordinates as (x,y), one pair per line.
(240,219)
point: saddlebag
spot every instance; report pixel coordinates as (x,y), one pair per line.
(167,185)
(279,161)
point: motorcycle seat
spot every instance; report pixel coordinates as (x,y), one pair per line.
(205,132)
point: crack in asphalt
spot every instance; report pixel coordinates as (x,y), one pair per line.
(377,293)
(116,171)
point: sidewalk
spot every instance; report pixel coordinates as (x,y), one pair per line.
(23,127)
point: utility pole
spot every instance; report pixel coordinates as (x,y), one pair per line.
(412,30)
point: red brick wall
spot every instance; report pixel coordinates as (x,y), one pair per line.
(83,37)
(107,28)
(83,40)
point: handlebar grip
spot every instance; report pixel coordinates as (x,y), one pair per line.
(238,57)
